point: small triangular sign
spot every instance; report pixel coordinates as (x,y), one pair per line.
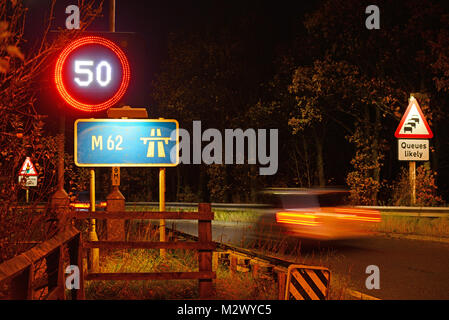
(413,123)
(28,168)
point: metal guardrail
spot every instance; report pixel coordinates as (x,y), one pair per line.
(430,212)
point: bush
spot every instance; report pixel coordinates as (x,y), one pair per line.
(426,189)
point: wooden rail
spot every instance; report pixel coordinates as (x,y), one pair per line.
(19,271)
(200,215)
(204,245)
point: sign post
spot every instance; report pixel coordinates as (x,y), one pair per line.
(94,252)
(115,229)
(60,198)
(162,208)
(413,133)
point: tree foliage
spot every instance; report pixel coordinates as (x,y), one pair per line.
(336,93)
(22,129)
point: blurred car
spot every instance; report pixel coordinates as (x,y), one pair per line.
(81,201)
(320,214)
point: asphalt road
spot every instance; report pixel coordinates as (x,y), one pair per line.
(409,269)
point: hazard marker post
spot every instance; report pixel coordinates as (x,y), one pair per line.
(307,283)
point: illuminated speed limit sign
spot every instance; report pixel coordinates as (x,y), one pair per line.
(92,74)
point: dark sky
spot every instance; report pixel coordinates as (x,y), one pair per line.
(154,20)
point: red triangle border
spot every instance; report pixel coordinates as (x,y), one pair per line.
(413,136)
(32,166)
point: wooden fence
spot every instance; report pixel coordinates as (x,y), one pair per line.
(18,275)
(204,245)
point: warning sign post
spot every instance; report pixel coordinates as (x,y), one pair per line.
(28,176)
(413,135)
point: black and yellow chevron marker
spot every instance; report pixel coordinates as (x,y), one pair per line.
(307,283)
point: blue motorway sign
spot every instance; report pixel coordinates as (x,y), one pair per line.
(126,143)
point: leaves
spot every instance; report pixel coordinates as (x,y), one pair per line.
(3,26)
(4,65)
(427,193)
(14,51)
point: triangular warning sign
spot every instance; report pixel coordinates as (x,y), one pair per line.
(413,124)
(28,168)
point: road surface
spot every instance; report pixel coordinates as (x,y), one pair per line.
(409,269)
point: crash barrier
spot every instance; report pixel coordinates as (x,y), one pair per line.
(429,212)
(22,278)
(316,285)
(313,281)
(204,245)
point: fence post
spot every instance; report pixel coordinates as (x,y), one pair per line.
(282,283)
(76,258)
(232,263)
(21,285)
(61,273)
(204,256)
(54,270)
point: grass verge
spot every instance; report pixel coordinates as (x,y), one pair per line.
(424,226)
(228,286)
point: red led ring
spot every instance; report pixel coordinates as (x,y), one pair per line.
(118,94)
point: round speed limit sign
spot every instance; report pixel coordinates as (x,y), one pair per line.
(92,74)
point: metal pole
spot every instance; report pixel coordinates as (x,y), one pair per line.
(112,15)
(412,174)
(27,195)
(60,197)
(94,252)
(162,208)
(115,229)
(61,143)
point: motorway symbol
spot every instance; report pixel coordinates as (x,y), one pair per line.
(307,283)
(27,168)
(126,143)
(413,123)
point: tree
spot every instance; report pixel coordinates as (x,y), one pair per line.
(21,127)
(391,63)
(212,77)
(336,93)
